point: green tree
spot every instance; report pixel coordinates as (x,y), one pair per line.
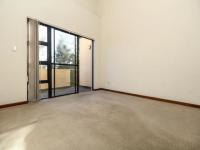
(63,55)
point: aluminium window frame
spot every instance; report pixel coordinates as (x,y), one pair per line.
(76,65)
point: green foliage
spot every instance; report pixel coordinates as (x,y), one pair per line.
(63,55)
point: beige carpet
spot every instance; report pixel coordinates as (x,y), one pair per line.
(100,121)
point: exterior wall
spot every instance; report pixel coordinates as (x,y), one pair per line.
(63,78)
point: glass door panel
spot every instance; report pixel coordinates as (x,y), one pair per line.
(64,80)
(65,45)
(58,58)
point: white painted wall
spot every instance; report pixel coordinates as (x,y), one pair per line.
(152,47)
(68,14)
(91,5)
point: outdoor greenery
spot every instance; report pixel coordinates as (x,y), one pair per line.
(63,55)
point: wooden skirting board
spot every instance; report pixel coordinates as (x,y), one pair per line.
(119,92)
(13,104)
(151,98)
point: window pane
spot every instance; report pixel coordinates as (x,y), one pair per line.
(43,72)
(43,90)
(42,53)
(42,33)
(64,80)
(52,45)
(52,81)
(64,48)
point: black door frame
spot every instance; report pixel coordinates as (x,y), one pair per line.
(49,63)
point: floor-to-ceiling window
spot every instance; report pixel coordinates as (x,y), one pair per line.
(58,62)
(44,61)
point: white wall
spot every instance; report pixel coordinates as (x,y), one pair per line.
(152,47)
(67,14)
(91,5)
(85,59)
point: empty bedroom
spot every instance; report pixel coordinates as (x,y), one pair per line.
(100,75)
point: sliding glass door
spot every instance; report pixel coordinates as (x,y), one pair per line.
(58,57)
(64,63)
